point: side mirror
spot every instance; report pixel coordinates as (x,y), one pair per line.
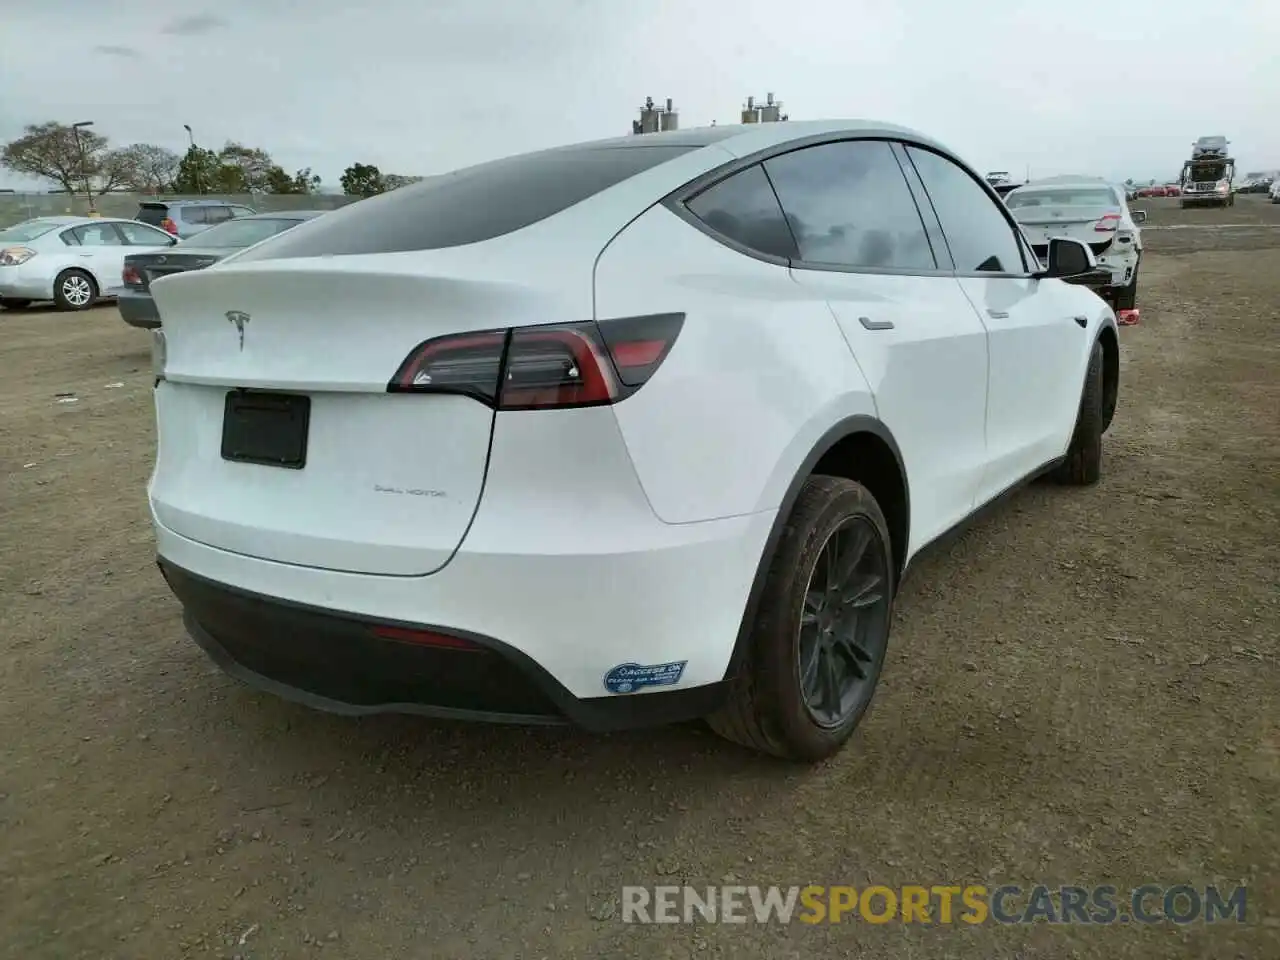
(1069,258)
(172,241)
(1139,216)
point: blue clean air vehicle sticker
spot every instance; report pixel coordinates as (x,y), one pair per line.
(630,677)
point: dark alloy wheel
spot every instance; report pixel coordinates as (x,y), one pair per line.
(818,640)
(843,624)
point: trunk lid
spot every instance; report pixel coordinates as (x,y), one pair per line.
(390,480)
(1043,223)
(149,267)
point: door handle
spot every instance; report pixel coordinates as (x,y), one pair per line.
(870,324)
(998,314)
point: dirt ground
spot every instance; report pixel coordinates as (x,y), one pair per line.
(1083,690)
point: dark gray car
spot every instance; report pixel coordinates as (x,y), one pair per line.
(134,297)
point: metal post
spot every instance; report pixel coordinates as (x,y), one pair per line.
(84,172)
(199,177)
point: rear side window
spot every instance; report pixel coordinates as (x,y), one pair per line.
(190,214)
(980,238)
(216,214)
(745,209)
(152,213)
(849,206)
(470,205)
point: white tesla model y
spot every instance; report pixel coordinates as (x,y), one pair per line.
(616,434)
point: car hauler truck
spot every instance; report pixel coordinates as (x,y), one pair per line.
(1206,177)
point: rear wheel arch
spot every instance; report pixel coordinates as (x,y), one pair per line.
(1110,374)
(859,448)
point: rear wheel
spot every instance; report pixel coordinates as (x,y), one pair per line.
(1083,464)
(74,290)
(14,303)
(819,641)
(1127,296)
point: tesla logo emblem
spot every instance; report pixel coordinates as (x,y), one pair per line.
(241,320)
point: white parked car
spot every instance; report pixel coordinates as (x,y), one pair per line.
(1092,211)
(619,433)
(1274,192)
(69,260)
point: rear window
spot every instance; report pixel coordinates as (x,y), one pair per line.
(152,213)
(1085,197)
(27,231)
(235,234)
(468,206)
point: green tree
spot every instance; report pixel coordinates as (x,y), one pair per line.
(303,181)
(394,181)
(199,171)
(362,180)
(248,169)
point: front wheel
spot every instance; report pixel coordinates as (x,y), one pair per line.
(821,634)
(74,290)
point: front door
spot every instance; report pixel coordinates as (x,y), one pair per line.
(864,248)
(1033,341)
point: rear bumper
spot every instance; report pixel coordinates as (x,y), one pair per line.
(552,623)
(338,663)
(136,307)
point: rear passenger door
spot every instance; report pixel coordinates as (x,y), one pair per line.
(100,248)
(1035,342)
(865,247)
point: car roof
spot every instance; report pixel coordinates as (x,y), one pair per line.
(1065,184)
(188,203)
(283,215)
(73,221)
(743,138)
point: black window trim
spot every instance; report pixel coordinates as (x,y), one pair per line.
(676,202)
(1020,241)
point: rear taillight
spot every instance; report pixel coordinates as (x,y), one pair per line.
(543,367)
(1108,224)
(130,276)
(169,226)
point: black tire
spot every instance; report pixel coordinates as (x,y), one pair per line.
(1083,464)
(14,303)
(1127,296)
(768,709)
(69,290)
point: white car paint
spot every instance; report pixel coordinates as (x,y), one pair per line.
(39,254)
(588,537)
(1107,225)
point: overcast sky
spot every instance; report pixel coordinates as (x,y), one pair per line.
(1116,88)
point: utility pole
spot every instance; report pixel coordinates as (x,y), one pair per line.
(194,159)
(84,171)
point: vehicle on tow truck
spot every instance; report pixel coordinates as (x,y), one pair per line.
(1206,177)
